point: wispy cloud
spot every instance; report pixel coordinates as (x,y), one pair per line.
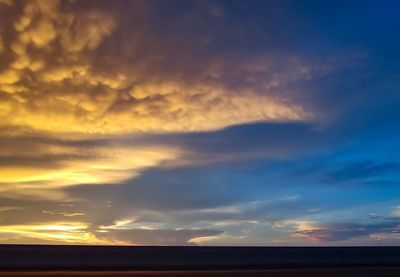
(343,232)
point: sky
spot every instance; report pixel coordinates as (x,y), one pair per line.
(183,122)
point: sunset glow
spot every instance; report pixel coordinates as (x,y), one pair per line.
(199,123)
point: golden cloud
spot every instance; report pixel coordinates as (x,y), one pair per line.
(9,77)
(65,167)
(65,232)
(53,58)
(1,45)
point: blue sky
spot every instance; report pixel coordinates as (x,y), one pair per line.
(199,122)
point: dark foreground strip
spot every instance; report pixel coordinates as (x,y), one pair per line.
(31,257)
(332,272)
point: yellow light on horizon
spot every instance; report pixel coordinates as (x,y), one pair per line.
(61,232)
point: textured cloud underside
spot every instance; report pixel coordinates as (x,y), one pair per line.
(69,68)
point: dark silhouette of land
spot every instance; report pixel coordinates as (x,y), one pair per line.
(34,260)
(317,272)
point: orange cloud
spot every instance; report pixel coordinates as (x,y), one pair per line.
(54,68)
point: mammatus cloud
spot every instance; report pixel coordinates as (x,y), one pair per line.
(63,62)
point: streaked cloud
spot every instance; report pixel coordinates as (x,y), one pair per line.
(157,237)
(343,232)
(70,232)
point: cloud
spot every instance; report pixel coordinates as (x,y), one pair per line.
(190,197)
(7,2)
(37,164)
(87,31)
(70,232)
(343,231)
(188,119)
(101,70)
(367,172)
(362,170)
(51,221)
(157,237)
(179,191)
(79,71)
(36,210)
(9,77)
(238,143)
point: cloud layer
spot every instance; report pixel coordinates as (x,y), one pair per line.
(212,123)
(82,64)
